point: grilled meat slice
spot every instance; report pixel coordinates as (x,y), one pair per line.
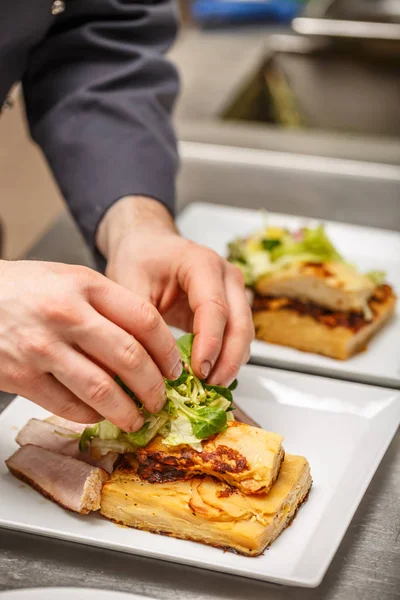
(66,424)
(205,510)
(245,457)
(52,437)
(71,483)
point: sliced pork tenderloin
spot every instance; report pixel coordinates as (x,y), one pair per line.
(54,438)
(71,425)
(70,483)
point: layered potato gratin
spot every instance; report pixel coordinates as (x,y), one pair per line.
(306,296)
(205,509)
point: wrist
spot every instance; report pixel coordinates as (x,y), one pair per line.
(132,213)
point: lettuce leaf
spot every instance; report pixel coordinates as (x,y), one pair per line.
(276,248)
(108,431)
(185,344)
(270,244)
(207,421)
(153,424)
(87,435)
(314,243)
(377,277)
(220,391)
(194,411)
(181,432)
(233,385)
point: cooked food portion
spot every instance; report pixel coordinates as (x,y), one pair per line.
(192,471)
(336,286)
(246,457)
(194,411)
(275,249)
(71,425)
(67,481)
(58,439)
(311,328)
(205,510)
(306,296)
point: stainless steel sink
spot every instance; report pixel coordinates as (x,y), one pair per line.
(309,85)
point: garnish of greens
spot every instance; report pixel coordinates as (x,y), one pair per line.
(377,277)
(276,248)
(194,411)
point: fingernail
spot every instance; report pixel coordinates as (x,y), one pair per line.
(177,370)
(205,369)
(161,403)
(136,425)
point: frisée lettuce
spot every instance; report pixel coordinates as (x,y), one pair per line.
(274,248)
(193,412)
(377,277)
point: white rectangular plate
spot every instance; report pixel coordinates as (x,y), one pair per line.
(370,249)
(342,428)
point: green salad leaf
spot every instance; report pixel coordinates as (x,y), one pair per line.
(185,344)
(193,412)
(87,435)
(151,427)
(275,248)
(181,379)
(220,391)
(377,277)
(269,244)
(233,385)
(107,431)
(314,244)
(180,431)
(208,421)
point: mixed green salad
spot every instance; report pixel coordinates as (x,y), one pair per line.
(276,248)
(193,412)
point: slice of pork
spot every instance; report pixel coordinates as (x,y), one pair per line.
(52,437)
(71,425)
(71,483)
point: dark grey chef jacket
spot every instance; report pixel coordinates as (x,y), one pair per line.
(99,95)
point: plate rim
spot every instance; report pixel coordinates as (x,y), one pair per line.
(381,230)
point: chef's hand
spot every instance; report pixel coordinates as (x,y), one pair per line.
(64,330)
(191,286)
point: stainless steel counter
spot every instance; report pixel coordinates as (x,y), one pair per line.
(215,65)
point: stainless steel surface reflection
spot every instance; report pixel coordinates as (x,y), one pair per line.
(351,19)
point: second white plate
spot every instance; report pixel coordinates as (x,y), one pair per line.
(371,249)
